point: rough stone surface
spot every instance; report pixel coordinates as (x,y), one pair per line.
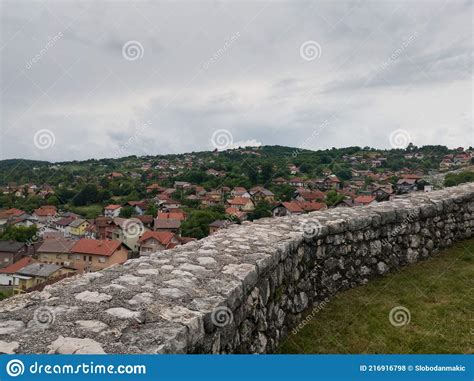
(240,290)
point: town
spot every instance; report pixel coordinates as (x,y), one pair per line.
(60,219)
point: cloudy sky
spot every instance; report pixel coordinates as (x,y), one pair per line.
(108,78)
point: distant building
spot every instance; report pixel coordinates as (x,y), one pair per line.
(151,242)
(364,200)
(218,225)
(112,210)
(56,251)
(93,255)
(11,252)
(36,274)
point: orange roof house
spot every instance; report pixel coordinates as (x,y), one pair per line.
(92,255)
(364,200)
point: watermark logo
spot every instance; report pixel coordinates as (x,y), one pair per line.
(400,139)
(44,139)
(399,316)
(37,57)
(132,50)
(222,139)
(43,317)
(310,50)
(15,368)
(133,228)
(310,229)
(222,316)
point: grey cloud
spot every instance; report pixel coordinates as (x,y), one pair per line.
(258,87)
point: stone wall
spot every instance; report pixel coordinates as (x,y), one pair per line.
(241,290)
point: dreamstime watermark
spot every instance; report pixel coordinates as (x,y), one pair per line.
(314,311)
(412,216)
(15,368)
(399,139)
(36,58)
(310,50)
(310,229)
(132,50)
(398,52)
(399,316)
(49,221)
(132,140)
(133,228)
(44,139)
(219,53)
(43,317)
(316,131)
(222,139)
(222,316)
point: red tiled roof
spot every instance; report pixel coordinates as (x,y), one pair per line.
(239,201)
(96,247)
(18,265)
(46,210)
(162,237)
(292,206)
(364,199)
(171,216)
(112,206)
(13,212)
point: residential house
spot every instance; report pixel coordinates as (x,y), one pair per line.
(128,231)
(9,214)
(279,181)
(45,215)
(104,227)
(296,182)
(6,274)
(140,207)
(11,252)
(112,210)
(287,209)
(260,194)
(93,255)
(62,225)
(242,204)
(236,213)
(406,185)
(56,251)
(304,195)
(240,192)
(38,273)
(332,182)
(218,225)
(167,225)
(364,200)
(154,188)
(151,242)
(78,228)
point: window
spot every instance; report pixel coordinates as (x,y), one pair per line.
(101,259)
(90,258)
(85,258)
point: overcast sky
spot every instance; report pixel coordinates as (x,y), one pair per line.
(103,79)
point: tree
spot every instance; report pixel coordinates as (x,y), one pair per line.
(126,211)
(18,233)
(332,198)
(197,224)
(87,195)
(262,209)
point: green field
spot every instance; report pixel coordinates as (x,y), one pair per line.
(438,294)
(89,211)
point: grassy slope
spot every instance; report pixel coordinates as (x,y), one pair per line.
(438,292)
